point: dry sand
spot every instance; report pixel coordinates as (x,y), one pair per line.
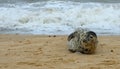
(50,52)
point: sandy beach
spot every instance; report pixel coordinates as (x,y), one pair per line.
(50,52)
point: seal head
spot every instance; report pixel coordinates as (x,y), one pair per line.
(88,43)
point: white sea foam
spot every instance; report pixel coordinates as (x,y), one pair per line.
(59,17)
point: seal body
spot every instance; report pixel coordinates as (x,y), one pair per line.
(83,41)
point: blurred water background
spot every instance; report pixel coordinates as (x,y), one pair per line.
(60,17)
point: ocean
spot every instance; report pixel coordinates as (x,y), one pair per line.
(59,17)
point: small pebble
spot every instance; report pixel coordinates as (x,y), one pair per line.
(49,36)
(54,35)
(111,50)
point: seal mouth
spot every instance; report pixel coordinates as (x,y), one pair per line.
(86,51)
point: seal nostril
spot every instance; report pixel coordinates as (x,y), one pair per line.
(84,40)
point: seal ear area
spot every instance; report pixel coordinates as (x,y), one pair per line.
(72,35)
(92,33)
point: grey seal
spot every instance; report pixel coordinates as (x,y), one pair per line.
(82,40)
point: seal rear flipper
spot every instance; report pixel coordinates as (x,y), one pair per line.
(72,35)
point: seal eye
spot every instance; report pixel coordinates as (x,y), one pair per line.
(91,36)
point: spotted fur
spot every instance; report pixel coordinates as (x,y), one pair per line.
(83,41)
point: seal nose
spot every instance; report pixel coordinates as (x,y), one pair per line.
(84,40)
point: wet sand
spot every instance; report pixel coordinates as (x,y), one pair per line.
(50,52)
